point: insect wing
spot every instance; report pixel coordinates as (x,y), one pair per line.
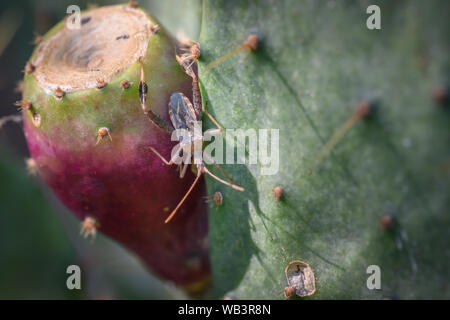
(143,89)
(177,111)
(181,113)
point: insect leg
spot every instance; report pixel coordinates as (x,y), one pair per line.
(199,173)
(219,167)
(174,158)
(212,132)
(183,171)
(143,90)
(196,97)
(236,187)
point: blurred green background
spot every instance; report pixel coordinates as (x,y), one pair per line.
(39,238)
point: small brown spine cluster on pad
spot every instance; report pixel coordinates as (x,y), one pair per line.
(278,192)
(37,39)
(24,105)
(154,28)
(387,222)
(89,227)
(125,84)
(101,133)
(217,198)
(32,168)
(132,4)
(252,42)
(29,68)
(289,292)
(364,109)
(59,93)
(442,95)
(101,83)
(36,119)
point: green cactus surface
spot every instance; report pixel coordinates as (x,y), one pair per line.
(316,61)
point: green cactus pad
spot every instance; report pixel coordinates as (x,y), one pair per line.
(317,60)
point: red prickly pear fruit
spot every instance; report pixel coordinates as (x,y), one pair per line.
(88,135)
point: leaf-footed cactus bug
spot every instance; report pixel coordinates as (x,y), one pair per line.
(184,115)
(89,227)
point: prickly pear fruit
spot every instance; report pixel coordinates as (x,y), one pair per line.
(88,135)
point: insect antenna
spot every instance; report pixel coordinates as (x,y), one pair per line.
(184,198)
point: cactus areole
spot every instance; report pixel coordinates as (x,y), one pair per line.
(88,135)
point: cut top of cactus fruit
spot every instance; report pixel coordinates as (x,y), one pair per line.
(107,41)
